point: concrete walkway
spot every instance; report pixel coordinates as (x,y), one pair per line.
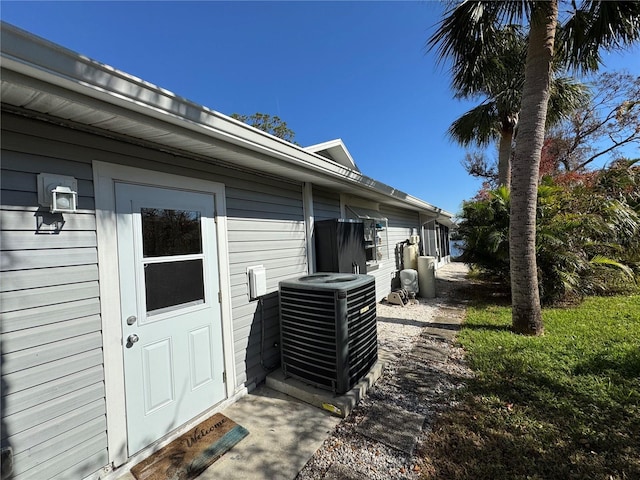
(285,432)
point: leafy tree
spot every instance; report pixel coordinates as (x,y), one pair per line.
(477,165)
(268,123)
(604,121)
(587,235)
(601,126)
(584,31)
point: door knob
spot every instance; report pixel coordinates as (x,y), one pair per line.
(131,339)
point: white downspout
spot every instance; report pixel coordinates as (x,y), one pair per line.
(307,203)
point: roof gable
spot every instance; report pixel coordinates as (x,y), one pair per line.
(334,150)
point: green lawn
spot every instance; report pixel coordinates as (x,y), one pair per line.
(561,406)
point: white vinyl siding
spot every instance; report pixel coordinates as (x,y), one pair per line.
(326,205)
(265,225)
(401,224)
(53,331)
(53,397)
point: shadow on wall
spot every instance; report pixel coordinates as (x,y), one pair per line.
(6,455)
(6,460)
(263,348)
(397,251)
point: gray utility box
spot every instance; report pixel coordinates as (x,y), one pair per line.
(328,329)
(340,246)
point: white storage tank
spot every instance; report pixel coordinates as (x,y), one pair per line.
(427,276)
(410,254)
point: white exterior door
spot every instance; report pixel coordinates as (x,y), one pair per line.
(171,318)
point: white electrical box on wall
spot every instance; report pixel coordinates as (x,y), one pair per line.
(257,281)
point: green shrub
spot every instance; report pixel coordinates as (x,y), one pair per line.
(485,233)
(588,233)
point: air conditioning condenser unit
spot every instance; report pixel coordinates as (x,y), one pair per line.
(328,329)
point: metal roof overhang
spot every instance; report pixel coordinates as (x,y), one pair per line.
(42,78)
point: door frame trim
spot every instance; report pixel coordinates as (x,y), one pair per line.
(105,175)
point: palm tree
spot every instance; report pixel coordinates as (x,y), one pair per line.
(586,29)
(496,118)
(495,72)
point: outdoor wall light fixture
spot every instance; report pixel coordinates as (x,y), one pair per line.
(58,192)
(63,199)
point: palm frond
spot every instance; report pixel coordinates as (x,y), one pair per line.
(503,195)
(495,240)
(570,280)
(479,126)
(596,25)
(567,94)
(601,260)
(472,34)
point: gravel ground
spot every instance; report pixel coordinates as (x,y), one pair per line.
(348,454)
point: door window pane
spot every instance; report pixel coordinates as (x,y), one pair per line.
(170,232)
(169,284)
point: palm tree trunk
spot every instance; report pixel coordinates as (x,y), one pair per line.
(504,157)
(526,311)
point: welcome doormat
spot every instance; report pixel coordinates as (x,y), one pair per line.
(190,455)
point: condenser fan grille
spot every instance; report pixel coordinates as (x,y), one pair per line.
(308,334)
(363,333)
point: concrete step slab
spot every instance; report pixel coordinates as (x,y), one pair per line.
(338,471)
(428,352)
(415,380)
(443,328)
(392,426)
(340,405)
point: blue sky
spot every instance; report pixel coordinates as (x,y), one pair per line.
(352,70)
